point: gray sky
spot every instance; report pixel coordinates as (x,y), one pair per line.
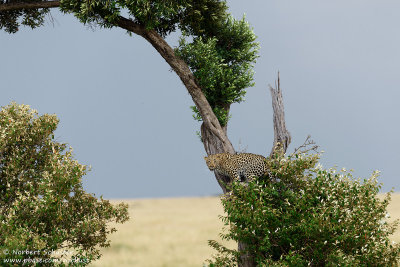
(127,115)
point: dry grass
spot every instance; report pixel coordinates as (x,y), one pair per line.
(394,211)
(174,232)
(165,232)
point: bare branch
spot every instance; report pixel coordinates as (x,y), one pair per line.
(308,142)
(282,136)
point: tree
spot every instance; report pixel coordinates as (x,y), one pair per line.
(215,66)
(46,218)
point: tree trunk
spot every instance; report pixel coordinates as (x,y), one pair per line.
(246,259)
(213,145)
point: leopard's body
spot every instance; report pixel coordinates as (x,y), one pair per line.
(239,167)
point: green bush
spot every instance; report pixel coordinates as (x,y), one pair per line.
(46,218)
(304,215)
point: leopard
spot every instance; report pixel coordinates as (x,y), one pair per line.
(239,167)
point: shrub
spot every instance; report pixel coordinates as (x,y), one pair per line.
(304,215)
(46,217)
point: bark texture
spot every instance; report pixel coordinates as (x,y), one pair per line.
(282,136)
(213,145)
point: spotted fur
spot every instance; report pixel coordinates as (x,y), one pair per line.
(239,167)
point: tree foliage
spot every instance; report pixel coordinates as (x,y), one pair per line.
(43,205)
(197,17)
(304,215)
(222,62)
(11,20)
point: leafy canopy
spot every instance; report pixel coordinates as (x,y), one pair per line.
(43,206)
(304,215)
(222,63)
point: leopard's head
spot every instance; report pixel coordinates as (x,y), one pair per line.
(211,162)
(214,161)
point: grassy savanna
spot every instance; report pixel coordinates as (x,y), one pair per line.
(165,232)
(174,232)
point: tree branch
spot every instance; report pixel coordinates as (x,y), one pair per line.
(28,5)
(214,136)
(282,136)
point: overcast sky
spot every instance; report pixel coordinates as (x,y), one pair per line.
(127,115)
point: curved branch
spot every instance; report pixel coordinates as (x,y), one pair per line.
(28,5)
